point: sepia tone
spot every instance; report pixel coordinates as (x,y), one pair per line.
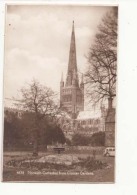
(60,93)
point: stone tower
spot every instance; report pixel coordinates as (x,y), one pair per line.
(71,91)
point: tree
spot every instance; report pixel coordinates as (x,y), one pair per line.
(98,139)
(54,134)
(101,73)
(38,100)
(13,132)
(80,140)
(18,132)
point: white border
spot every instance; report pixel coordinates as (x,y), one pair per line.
(126,160)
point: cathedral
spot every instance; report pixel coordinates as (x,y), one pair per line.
(72,100)
(72,91)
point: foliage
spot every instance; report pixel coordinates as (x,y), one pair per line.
(18,132)
(80,140)
(54,134)
(68,142)
(86,164)
(13,136)
(92,164)
(40,102)
(97,139)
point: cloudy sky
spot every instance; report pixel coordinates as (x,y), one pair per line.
(37,41)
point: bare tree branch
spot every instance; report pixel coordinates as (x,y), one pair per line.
(100,76)
(41,101)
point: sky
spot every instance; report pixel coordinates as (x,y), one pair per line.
(37,41)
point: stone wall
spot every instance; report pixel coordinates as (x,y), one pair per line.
(110,128)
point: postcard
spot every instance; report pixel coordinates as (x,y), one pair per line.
(60,76)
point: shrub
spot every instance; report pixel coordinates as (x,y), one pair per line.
(98,139)
(91,164)
(80,140)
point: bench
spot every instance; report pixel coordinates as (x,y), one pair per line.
(59,149)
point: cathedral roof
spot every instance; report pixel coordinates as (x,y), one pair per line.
(64,114)
(89,114)
(12,105)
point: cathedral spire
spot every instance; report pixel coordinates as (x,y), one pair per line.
(72,92)
(72,64)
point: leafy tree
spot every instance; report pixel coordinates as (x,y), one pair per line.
(68,142)
(80,140)
(101,73)
(54,134)
(98,139)
(38,100)
(13,132)
(18,132)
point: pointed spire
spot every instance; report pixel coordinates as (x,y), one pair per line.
(73,26)
(72,54)
(72,65)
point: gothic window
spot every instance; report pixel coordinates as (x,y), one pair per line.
(97,121)
(66,98)
(83,122)
(78,99)
(90,121)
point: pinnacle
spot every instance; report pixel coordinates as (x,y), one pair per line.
(72,65)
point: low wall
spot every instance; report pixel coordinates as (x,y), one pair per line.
(80,148)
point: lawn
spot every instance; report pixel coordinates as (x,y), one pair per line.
(17,174)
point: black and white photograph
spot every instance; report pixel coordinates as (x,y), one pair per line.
(60,93)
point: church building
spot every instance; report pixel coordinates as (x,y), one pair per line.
(72,91)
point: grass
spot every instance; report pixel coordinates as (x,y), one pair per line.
(102,174)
